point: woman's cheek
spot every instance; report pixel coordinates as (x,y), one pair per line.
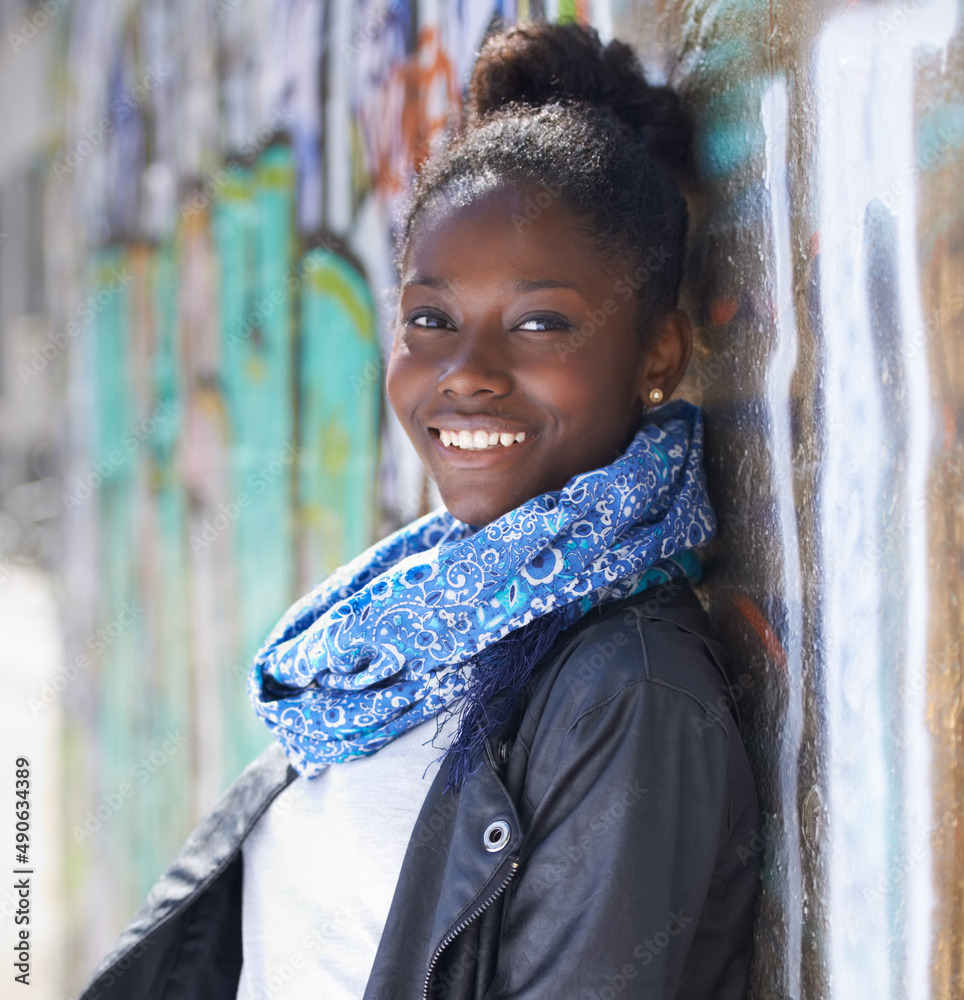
(395,380)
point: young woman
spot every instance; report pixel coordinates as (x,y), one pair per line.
(506,765)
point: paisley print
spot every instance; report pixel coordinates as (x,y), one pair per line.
(388,641)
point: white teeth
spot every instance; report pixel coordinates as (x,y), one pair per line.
(479,440)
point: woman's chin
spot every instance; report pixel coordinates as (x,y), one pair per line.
(472,516)
(475,510)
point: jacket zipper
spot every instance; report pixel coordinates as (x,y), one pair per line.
(452,934)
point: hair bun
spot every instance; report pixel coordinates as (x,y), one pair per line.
(538,64)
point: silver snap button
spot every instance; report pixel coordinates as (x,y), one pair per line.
(496,836)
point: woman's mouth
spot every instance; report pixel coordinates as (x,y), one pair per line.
(478,440)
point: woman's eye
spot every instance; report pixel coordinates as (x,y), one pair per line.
(428,321)
(540,324)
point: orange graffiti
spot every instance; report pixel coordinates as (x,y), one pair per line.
(723,310)
(756,620)
(421,97)
(950,427)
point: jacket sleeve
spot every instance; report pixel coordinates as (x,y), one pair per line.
(639,871)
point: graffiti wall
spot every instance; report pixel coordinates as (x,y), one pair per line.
(828,292)
(219,231)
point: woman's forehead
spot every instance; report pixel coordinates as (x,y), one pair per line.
(529,225)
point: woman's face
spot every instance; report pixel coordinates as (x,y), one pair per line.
(516,364)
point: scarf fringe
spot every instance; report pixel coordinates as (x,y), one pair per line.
(499,675)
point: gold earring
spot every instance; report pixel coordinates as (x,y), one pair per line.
(656,396)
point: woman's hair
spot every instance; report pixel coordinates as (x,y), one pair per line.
(550,107)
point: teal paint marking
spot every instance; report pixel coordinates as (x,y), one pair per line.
(340,380)
(109,301)
(254,237)
(939,132)
(166,380)
(167,602)
(118,720)
(730,132)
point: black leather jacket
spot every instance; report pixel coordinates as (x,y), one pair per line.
(607,846)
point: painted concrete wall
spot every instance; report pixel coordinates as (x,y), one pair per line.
(219,221)
(829,291)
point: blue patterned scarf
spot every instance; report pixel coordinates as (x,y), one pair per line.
(411,625)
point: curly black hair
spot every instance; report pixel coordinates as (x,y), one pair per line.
(550,107)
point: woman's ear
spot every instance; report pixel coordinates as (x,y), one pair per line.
(666,355)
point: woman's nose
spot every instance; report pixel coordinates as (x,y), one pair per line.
(478,364)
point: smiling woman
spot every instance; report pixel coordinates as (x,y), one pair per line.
(506,762)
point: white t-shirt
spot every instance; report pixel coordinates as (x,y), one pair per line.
(320,868)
